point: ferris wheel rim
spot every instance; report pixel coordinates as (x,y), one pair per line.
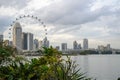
(28,16)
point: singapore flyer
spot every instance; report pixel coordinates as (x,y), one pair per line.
(32,24)
(28,33)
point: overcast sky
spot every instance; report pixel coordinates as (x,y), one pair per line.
(68,20)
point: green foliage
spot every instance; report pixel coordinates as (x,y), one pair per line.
(6,53)
(117,52)
(95,52)
(118,79)
(67,71)
(106,52)
(89,52)
(50,66)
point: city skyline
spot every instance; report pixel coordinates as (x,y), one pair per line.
(67,21)
(24,41)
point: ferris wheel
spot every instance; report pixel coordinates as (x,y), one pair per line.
(30,23)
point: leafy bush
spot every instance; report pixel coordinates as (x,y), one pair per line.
(50,66)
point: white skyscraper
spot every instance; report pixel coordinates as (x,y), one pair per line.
(85,44)
(27,41)
(17,36)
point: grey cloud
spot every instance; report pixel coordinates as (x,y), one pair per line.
(13,3)
(59,29)
(78,18)
(57,11)
(68,16)
(65,14)
(5,22)
(73,15)
(72,12)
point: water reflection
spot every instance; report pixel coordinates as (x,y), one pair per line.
(101,67)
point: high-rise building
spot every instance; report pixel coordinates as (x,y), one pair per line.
(104,48)
(75,45)
(17,36)
(85,44)
(108,47)
(40,45)
(58,48)
(1,37)
(36,44)
(45,42)
(27,41)
(101,48)
(79,46)
(30,41)
(64,46)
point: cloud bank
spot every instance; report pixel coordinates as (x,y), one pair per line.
(69,20)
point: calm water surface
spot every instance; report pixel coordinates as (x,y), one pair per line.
(101,67)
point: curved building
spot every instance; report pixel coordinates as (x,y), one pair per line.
(17,36)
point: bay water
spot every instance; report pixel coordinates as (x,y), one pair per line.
(99,67)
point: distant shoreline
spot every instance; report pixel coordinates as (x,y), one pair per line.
(73,54)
